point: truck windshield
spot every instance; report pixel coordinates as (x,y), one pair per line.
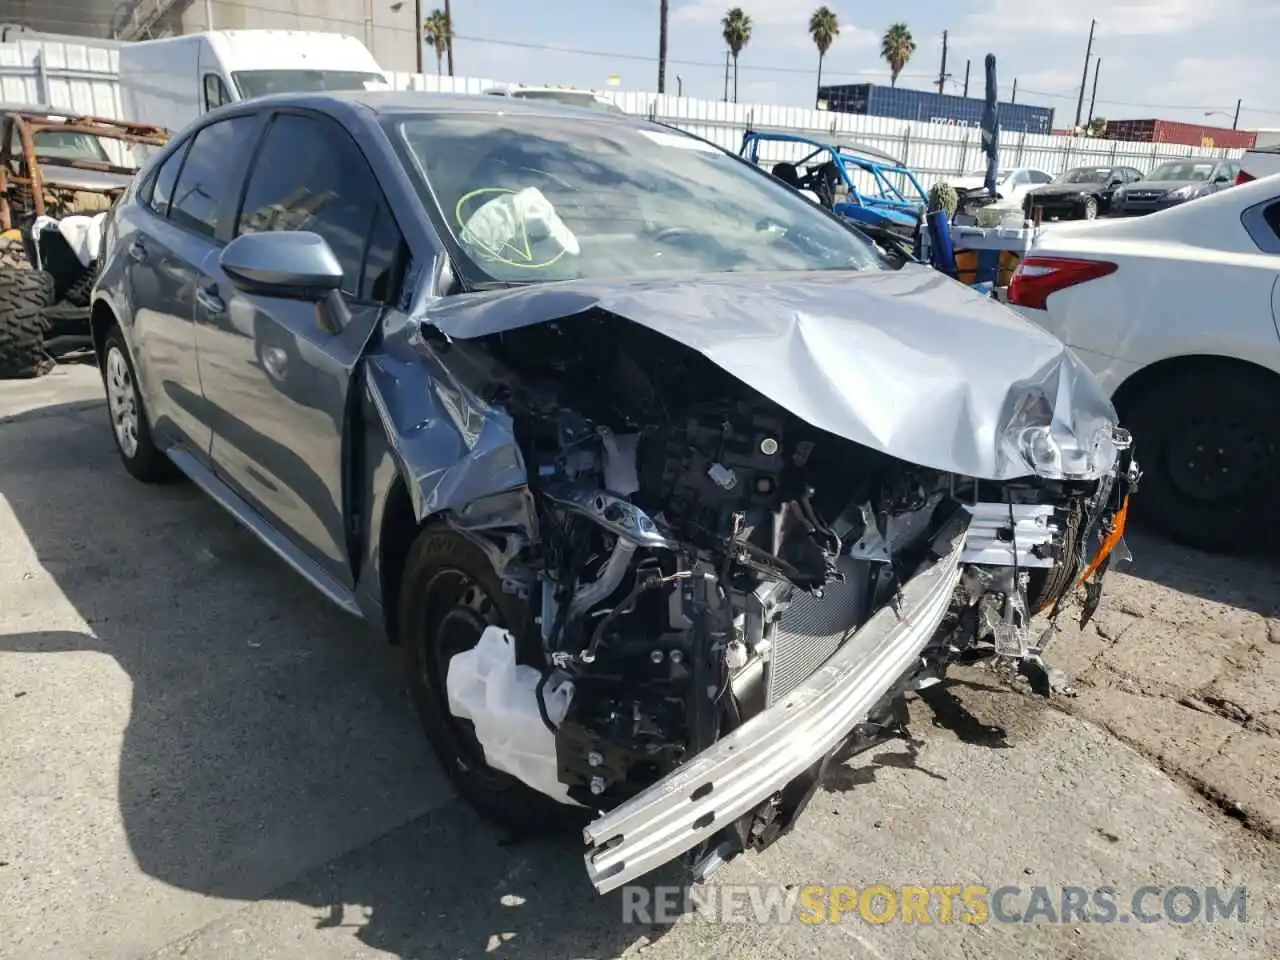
(263,83)
(531,198)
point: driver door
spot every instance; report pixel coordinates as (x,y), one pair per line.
(278,374)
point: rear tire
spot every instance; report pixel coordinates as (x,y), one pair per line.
(130,427)
(449,593)
(1208,443)
(24,294)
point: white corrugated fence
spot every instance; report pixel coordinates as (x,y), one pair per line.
(83,78)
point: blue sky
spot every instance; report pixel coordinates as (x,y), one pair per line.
(1175,59)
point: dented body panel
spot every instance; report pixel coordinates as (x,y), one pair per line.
(905,362)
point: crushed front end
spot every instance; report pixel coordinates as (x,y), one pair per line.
(726,599)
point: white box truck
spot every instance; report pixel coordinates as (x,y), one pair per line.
(172,81)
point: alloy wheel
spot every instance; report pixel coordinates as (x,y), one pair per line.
(122,402)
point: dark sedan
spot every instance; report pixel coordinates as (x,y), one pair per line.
(1173,183)
(1082,193)
(667,482)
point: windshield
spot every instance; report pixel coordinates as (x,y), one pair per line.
(62,145)
(574,98)
(1086,175)
(1182,170)
(263,83)
(525,198)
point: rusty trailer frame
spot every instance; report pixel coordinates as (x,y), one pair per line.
(27,122)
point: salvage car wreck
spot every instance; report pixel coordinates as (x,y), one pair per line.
(732,577)
(670,484)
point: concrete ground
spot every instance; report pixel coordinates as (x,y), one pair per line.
(200,758)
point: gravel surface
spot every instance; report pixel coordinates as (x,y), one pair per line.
(201,758)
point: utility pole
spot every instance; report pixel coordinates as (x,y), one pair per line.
(417,28)
(1014,97)
(942,72)
(1093,99)
(1084,79)
(662,46)
(448,16)
(1235,124)
(966,78)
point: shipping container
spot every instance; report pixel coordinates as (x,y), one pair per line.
(1185,134)
(924,106)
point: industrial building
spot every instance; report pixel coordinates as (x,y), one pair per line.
(387,27)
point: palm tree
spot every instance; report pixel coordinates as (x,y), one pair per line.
(662,45)
(897,48)
(824,28)
(439,34)
(737,31)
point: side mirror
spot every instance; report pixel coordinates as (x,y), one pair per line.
(1222,178)
(1116,182)
(294,264)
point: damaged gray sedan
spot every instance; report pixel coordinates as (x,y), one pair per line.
(669,484)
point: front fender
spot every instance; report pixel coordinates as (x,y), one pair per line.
(430,436)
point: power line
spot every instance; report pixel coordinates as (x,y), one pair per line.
(72,5)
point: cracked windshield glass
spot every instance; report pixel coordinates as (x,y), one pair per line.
(529,199)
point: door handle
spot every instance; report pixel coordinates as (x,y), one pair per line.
(138,250)
(208,298)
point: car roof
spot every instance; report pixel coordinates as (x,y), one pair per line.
(388,102)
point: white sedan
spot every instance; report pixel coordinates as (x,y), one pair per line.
(1178,314)
(1012,183)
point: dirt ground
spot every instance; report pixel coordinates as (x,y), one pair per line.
(201,758)
(1183,664)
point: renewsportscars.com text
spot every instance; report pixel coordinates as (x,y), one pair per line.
(935,904)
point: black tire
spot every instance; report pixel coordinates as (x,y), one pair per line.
(1208,443)
(24,294)
(78,293)
(146,462)
(1091,208)
(449,592)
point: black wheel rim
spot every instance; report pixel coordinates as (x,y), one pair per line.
(458,611)
(1216,457)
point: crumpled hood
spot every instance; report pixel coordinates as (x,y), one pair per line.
(907,362)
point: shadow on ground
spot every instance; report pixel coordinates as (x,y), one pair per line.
(1250,583)
(270,751)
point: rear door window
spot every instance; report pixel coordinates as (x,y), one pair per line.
(159,191)
(205,181)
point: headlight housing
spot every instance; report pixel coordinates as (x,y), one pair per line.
(1183,193)
(1055,454)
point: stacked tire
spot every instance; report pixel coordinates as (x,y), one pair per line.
(24,296)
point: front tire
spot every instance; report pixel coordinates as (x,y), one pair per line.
(1091,208)
(129,426)
(1209,446)
(449,593)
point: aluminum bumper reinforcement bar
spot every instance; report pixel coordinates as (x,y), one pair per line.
(741,771)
